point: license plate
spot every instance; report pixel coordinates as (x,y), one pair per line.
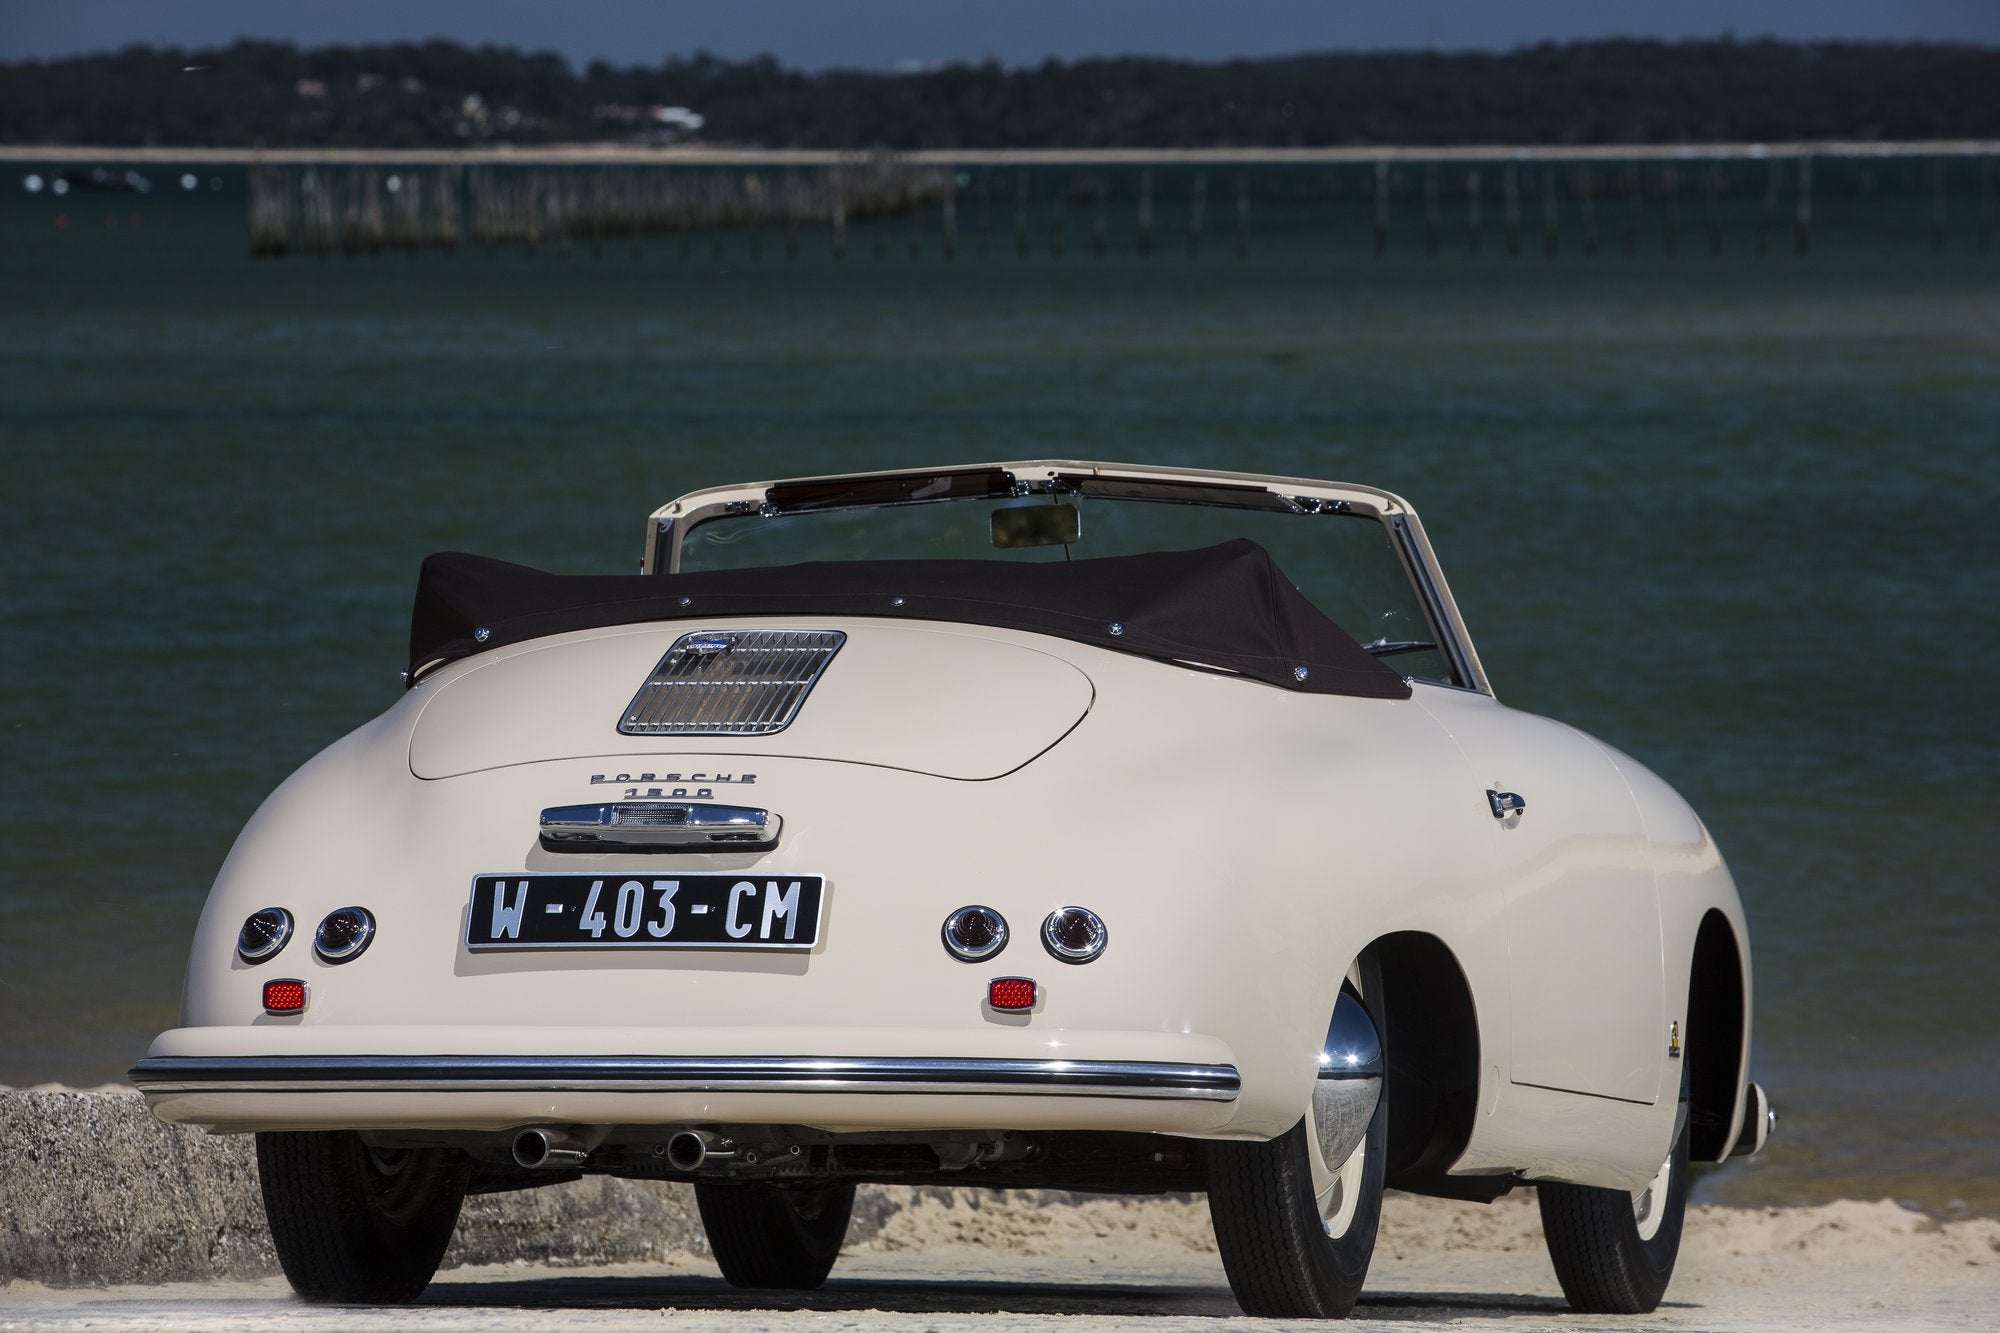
(687,911)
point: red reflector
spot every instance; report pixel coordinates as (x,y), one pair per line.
(284,997)
(1011,993)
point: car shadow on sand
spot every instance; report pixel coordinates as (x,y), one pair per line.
(957,1296)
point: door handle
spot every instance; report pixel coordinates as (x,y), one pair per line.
(1505,803)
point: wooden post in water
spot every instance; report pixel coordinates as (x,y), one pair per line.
(682,208)
(268,212)
(1058,218)
(1635,204)
(950,213)
(350,213)
(451,189)
(373,228)
(1510,183)
(1195,206)
(1472,211)
(1242,216)
(983,208)
(1550,232)
(1586,203)
(1802,227)
(1714,187)
(598,206)
(1937,203)
(636,185)
(1670,187)
(1100,221)
(1146,212)
(839,222)
(346,196)
(318,200)
(716,211)
(1985,204)
(1021,213)
(792,207)
(1381,207)
(1768,218)
(1433,224)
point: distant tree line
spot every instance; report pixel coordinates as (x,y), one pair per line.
(440,94)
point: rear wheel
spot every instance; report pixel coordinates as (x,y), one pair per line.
(356,1224)
(774,1236)
(1614,1251)
(1296,1232)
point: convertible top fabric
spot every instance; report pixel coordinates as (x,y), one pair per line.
(1226,606)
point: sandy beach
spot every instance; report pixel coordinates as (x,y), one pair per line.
(996,1263)
(110,1214)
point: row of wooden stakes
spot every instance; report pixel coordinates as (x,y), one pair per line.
(348,209)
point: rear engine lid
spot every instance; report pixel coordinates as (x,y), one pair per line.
(951,704)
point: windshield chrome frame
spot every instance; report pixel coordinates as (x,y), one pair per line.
(668,526)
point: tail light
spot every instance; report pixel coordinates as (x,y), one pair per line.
(973,933)
(286,995)
(1074,934)
(344,934)
(1011,995)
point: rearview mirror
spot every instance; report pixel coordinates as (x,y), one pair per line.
(1036,525)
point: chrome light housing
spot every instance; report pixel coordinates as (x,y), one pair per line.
(973,933)
(265,932)
(344,934)
(1074,934)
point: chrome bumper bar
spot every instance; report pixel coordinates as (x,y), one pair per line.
(668,1074)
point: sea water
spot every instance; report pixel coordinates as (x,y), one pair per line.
(1734,514)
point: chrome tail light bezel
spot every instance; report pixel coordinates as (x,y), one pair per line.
(363,935)
(1055,928)
(273,939)
(952,933)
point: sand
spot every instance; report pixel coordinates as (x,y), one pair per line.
(107,1205)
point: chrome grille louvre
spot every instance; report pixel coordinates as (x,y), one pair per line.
(731,682)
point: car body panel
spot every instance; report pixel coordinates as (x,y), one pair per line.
(1575,864)
(1244,843)
(905,696)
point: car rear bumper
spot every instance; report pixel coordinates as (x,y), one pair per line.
(308,1091)
(685,1074)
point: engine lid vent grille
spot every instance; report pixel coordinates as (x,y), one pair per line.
(731,682)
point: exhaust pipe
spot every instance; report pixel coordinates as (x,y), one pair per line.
(548,1149)
(692,1149)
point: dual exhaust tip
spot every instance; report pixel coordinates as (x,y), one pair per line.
(555,1150)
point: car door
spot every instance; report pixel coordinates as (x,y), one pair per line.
(1582,911)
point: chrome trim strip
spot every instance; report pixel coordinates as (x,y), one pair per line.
(1442,627)
(658,826)
(678,1073)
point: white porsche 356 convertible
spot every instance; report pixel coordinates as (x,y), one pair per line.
(1045,824)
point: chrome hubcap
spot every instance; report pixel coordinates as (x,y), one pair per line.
(1340,1192)
(1649,1205)
(1344,1101)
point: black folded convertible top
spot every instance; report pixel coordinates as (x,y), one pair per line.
(1226,606)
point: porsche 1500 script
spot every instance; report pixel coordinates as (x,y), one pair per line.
(687,911)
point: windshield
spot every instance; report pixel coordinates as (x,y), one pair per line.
(1345,564)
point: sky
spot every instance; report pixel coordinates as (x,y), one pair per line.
(892,34)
